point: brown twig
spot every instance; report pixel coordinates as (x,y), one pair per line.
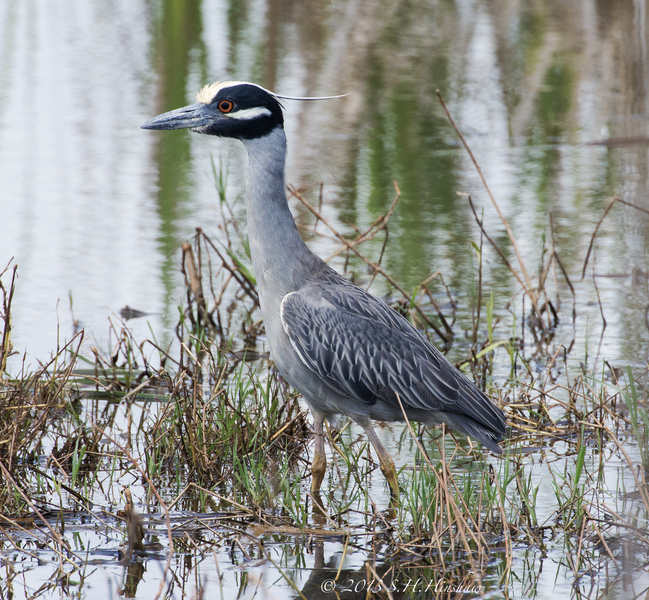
(196,286)
(528,287)
(479,541)
(592,239)
(55,534)
(493,244)
(380,224)
(246,285)
(367,261)
(153,488)
(5,341)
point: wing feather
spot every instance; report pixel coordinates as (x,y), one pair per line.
(363,349)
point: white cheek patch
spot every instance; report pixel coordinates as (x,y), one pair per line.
(248,113)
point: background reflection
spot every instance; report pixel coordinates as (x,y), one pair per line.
(552,98)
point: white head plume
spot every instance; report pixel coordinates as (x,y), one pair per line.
(208,92)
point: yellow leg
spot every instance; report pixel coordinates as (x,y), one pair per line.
(319,465)
(387,464)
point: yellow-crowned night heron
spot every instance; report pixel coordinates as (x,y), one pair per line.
(345,351)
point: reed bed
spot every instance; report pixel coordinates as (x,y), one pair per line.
(216,448)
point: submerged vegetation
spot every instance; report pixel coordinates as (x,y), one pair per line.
(215,449)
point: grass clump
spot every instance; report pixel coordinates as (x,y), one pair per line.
(199,426)
(240,427)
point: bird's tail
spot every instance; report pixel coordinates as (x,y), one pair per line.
(486,436)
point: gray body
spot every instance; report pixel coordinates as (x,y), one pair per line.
(345,351)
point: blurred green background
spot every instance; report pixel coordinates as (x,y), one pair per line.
(551,96)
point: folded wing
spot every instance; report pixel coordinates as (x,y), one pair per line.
(363,349)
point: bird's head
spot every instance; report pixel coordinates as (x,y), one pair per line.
(227,109)
(233,109)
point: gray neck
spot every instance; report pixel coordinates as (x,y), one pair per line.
(279,256)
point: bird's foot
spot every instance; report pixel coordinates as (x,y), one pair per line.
(318,470)
(390,474)
(319,511)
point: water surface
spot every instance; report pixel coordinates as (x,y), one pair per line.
(551,97)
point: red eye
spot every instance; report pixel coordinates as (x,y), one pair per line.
(225,106)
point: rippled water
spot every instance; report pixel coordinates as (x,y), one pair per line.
(552,98)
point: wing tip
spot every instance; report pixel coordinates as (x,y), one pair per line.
(491,444)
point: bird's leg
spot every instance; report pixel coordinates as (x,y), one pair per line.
(387,464)
(319,465)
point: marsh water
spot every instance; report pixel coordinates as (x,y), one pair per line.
(552,97)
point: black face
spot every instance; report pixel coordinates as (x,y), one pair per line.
(251,112)
(242,111)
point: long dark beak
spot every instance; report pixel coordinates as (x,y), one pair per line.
(189,117)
